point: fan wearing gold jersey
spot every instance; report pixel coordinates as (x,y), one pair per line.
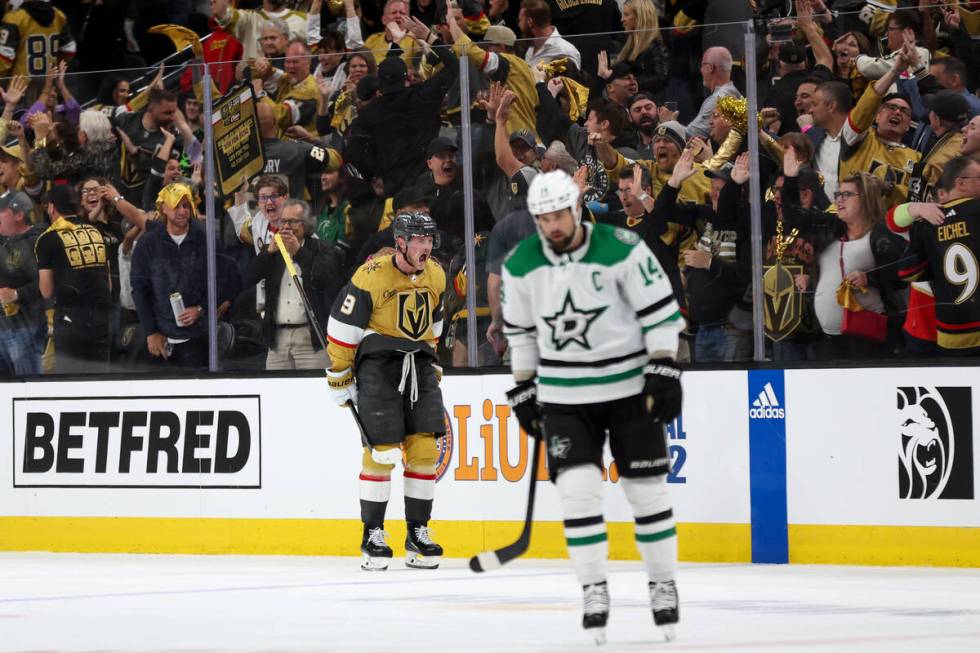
(382,333)
(33,38)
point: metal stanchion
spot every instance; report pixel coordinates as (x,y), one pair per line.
(755,193)
(210,225)
(466,144)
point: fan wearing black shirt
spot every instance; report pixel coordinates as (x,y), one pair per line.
(73,270)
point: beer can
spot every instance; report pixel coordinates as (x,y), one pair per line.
(11,309)
(177,304)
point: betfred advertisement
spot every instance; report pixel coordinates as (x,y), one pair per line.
(137,442)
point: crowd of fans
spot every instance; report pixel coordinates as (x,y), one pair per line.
(867,112)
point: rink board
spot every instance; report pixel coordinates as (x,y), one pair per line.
(270,466)
(769,466)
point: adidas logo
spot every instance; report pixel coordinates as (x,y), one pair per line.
(767,406)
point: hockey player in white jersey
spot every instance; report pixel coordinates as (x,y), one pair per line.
(593,329)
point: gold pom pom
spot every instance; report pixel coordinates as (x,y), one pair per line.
(554,67)
(735,111)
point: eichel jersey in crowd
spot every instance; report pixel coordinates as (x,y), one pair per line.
(384,309)
(33,39)
(590,319)
(947,255)
(864,151)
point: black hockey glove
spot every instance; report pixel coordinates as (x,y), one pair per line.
(662,391)
(523,398)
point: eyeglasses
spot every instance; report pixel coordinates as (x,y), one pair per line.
(905,111)
(91,191)
(291,223)
(969,177)
(844,195)
(268,198)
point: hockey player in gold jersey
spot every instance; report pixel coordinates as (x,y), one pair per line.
(382,333)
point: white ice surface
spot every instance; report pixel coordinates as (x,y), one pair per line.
(62,602)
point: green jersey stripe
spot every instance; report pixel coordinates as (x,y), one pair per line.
(673,318)
(590,380)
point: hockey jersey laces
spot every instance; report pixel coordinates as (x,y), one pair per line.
(408,370)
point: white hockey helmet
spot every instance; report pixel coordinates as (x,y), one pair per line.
(553,191)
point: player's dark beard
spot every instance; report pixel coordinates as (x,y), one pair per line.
(565,244)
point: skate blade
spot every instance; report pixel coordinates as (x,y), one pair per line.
(669,632)
(369,563)
(417,561)
(598,635)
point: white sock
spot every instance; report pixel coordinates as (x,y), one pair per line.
(580,489)
(656,532)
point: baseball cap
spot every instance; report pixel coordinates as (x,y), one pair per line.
(500,35)
(524,134)
(17,201)
(897,96)
(392,72)
(368,87)
(619,71)
(438,144)
(792,53)
(408,196)
(13,151)
(948,105)
(673,130)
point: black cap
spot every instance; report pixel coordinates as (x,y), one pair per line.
(525,135)
(368,87)
(949,106)
(17,201)
(897,96)
(392,72)
(619,71)
(792,54)
(408,196)
(438,144)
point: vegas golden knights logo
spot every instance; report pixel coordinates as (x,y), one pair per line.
(414,313)
(783,306)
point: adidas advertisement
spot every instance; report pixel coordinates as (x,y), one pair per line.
(766,405)
(935,437)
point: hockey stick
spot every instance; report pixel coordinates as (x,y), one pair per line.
(311,316)
(490,560)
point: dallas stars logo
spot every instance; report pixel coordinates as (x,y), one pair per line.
(571,324)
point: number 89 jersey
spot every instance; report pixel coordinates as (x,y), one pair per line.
(32,39)
(588,320)
(947,255)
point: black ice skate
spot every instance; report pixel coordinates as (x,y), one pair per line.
(596,612)
(420,551)
(663,602)
(377,553)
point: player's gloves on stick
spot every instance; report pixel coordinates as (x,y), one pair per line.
(342,386)
(523,398)
(662,390)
